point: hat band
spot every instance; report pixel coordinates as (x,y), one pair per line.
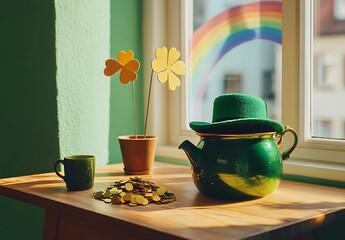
(239,136)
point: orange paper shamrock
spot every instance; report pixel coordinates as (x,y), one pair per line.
(126,63)
(168,65)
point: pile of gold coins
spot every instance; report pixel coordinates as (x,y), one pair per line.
(134,192)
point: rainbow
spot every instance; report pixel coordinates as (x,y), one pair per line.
(216,37)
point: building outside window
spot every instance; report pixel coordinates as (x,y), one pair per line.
(339,9)
(324,128)
(328,50)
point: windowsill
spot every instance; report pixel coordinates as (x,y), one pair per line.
(313,169)
(171,152)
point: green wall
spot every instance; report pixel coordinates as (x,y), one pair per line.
(29,96)
(28,112)
(126,35)
(29,133)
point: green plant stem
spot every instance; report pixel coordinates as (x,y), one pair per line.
(148,103)
(134,111)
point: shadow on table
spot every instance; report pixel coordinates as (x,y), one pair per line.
(331,227)
(109,174)
(39,183)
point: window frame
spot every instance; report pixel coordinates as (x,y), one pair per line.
(316,158)
(164,25)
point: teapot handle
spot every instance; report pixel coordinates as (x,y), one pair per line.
(286,154)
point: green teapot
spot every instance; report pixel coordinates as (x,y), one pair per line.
(238,155)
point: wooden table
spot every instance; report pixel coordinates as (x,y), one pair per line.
(292,210)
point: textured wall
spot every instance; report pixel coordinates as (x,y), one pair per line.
(82,45)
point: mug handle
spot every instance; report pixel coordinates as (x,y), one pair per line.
(56,170)
(286,154)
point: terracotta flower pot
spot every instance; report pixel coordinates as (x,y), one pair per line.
(138,154)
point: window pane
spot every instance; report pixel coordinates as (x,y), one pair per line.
(328,90)
(236,47)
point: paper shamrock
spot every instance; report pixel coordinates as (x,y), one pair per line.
(126,64)
(168,65)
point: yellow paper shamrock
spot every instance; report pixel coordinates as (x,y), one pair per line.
(126,63)
(168,65)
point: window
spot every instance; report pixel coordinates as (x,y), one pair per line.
(234,38)
(305,68)
(317,155)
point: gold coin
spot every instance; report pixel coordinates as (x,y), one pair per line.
(107,194)
(140,199)
(129,187)
(122,194)
(98,195)
(148,194)
(132,204)
(168,194)
(122,199)
(160,191)
(156,198)
(119,191)
(145,202)
(115,200)
(134,199)
(107,200)
(113,190)
(127,197)
(138,178)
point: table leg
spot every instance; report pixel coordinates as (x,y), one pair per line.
(51,222)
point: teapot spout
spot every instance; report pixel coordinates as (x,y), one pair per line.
(192,152)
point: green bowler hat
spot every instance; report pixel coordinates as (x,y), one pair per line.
(238,113)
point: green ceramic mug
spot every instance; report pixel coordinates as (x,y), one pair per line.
(79,171)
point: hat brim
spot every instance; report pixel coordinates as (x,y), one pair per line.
(238,126)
